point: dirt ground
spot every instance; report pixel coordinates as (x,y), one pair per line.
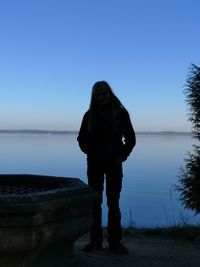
(144,251)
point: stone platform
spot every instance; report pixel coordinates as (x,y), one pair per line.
(40,219)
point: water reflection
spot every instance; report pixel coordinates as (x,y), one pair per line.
(149,174)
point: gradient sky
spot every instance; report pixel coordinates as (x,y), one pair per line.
(53,51)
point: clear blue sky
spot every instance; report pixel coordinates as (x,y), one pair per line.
(52,52)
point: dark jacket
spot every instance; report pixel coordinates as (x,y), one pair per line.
(104,143)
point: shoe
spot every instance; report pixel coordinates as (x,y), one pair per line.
(118,248)
(92,247)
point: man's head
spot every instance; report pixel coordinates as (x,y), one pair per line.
(101,93)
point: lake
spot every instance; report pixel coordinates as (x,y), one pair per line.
(148,198)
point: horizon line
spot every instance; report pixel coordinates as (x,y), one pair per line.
(76,131)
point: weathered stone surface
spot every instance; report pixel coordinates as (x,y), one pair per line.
(40,219)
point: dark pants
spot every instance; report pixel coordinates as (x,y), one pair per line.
(113,174)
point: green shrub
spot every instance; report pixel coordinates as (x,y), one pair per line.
(189,177)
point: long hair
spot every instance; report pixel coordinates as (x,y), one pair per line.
(114,104)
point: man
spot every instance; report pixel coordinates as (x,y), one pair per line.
(107,137)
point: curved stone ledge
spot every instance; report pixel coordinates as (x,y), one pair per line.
(45,187)
(38,215)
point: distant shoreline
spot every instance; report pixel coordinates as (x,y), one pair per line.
(38,132)
(26,131)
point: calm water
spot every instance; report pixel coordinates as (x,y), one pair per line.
(150,173)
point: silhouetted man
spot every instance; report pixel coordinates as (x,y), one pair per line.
(107,137)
